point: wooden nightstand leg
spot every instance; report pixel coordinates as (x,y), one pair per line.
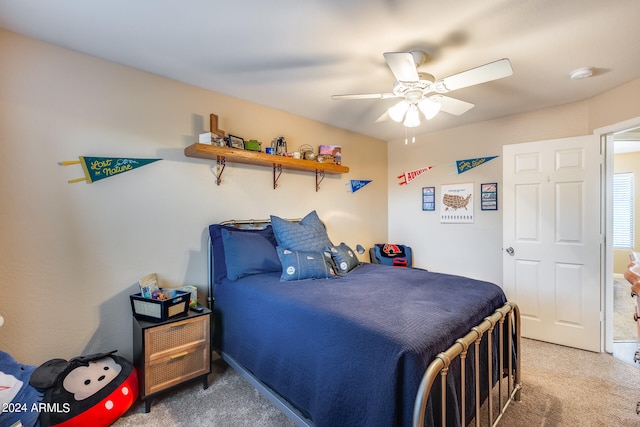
(205,381)
(147,406)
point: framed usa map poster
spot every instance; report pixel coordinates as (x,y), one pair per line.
(456,203)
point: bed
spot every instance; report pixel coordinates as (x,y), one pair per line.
(332,341)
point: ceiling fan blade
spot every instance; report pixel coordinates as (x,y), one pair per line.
(383,118)
(365,96)
(402,65)
(484,73)
(452,105)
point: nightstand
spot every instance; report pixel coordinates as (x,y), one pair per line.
(172,352)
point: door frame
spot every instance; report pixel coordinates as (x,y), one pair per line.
(606,135)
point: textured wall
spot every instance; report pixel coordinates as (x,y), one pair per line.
(70,254)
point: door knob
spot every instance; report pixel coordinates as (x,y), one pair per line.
(510,250)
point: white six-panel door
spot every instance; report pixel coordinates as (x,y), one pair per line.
(552,238)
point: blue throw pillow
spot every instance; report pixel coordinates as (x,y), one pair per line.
(248,253)
(344,258)
(217,247)
(300,265)
(309,234)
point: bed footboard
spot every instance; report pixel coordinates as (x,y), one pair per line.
(508,313)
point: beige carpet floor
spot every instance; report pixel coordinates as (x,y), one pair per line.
(562,387)
(568,387)
(624,328)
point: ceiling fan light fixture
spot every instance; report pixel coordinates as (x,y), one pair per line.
(398,111)
(429,108)
(440,87)
(412,119)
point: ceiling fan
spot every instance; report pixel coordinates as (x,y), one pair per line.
(421,92)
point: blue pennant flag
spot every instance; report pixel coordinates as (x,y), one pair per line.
(357,184)
(465,165)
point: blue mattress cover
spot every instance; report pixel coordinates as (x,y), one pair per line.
(350,350)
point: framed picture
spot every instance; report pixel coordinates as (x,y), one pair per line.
(428,198)
(330,154)
(456,203)
(235,142)
(489,196)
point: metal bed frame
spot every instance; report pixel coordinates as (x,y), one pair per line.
(508,314)
(440,367)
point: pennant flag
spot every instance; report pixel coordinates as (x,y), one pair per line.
(96,168)
(357,184)
(407,177)
(465,165)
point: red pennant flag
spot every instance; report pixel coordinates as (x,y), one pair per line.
(407,177)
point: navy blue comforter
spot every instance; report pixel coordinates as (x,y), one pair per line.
(348,351)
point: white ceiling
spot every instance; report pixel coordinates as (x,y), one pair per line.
(292,55)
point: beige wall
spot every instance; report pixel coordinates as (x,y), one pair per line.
(628,162)
(70,254)
(476,249)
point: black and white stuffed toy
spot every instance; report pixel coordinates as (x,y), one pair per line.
(88,390)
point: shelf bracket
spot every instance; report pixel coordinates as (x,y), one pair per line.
(277,171)
(220,164)
(319,174)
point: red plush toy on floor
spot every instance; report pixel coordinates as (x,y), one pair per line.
(90,390)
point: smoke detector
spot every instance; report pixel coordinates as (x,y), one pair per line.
(581,73)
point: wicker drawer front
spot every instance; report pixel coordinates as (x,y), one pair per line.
(177,368)
(176,336)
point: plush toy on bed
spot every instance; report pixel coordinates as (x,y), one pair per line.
(90,390)
(19,401)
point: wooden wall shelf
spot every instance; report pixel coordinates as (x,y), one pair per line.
(223,154)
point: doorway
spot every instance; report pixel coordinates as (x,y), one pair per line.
(625,161)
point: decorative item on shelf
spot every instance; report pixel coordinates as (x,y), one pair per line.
(330,154)
(218,141)
(205,138)
(306,152)
(253,145)
(213,125)
(279,145)
(211,139)
(235,142)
